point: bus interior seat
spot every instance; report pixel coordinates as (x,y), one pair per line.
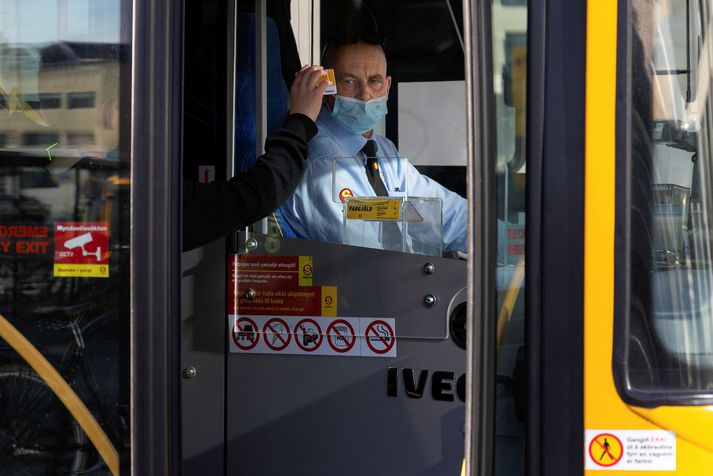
(277,96)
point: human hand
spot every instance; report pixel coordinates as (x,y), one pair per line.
(305,94)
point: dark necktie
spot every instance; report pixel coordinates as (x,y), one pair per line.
(391,235)
(372,169)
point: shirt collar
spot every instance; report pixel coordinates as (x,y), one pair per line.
(350,143)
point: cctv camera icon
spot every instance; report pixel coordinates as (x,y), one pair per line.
(80,241)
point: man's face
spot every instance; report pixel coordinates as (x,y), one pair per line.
(360,72)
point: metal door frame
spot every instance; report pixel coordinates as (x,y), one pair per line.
(156,60)
(482,239)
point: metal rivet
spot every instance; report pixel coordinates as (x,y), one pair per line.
(251,244)
(430,300)
(429,268)
(250,293)
(189,372)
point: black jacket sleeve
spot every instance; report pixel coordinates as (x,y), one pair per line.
(212,210)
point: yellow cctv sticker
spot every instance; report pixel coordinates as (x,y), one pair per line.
(374,209)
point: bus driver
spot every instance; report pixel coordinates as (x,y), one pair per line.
(345,126)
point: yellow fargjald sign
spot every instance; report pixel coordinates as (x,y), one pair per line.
(374,209)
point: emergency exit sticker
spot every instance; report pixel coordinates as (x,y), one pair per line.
(81,249)
(296,335)
(630,450)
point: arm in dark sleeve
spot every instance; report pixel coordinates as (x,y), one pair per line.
(216,209)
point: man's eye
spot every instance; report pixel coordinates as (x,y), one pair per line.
(376,83)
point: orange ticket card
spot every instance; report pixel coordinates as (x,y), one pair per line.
(332,83)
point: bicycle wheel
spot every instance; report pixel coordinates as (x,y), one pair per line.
(38,436)
(101,378)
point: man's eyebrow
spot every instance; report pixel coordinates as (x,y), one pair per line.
(376,76)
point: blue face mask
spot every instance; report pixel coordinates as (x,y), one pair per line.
(358,116)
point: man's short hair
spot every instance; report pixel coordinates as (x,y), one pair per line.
(334,44)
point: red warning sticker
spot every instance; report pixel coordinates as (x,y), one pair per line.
(81,249)
(268,285)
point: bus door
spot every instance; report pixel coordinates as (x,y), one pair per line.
(69,133)
(346,339)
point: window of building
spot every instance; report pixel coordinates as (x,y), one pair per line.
(81,100)
(40,138)
(80,138)
(50,100)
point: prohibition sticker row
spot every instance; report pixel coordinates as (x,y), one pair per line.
(345,336)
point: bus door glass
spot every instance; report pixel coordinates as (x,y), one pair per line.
(64,228)
(509,43)
(346,322)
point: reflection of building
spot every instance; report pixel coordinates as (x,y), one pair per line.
(76,90)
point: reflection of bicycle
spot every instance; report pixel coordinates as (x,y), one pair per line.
(38,436)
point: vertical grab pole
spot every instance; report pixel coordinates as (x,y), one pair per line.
(481,326)
(231,63)
(261,86)
(232,67)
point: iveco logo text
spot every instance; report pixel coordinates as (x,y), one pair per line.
(444,387)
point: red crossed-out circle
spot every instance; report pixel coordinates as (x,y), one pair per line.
(279,340)
(595,446)
(245,333)
(334,335)
(388,344)
(304,339)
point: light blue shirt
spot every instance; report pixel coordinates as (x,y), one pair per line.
(315,210)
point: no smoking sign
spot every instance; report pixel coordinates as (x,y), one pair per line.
(380,337)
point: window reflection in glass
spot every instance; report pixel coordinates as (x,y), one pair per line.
(510,87)
(64,223)
(670,324)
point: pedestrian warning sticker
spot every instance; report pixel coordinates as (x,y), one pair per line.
(316,335)
(630,450)
(609,445)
